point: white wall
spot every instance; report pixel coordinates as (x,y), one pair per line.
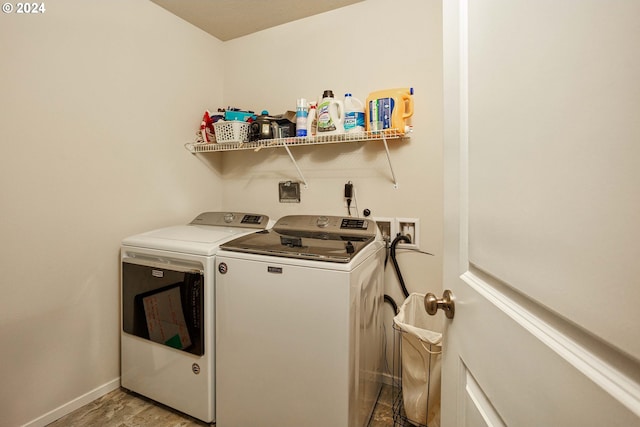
(96,101)
(375,44)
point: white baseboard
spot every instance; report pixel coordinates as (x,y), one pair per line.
(76,403)
(389,379)
(100,391)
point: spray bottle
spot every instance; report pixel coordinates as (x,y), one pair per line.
(311,119)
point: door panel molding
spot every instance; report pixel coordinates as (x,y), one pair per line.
(614,373)
(478,408)
(527,382)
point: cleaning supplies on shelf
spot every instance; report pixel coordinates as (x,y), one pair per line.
(389,109)
(330,115)
(261,127)
(311,119)
(301,117)
(206,128)
(238,114)
(353,114)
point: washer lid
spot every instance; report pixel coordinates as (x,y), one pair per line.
(320,238)
(199,239)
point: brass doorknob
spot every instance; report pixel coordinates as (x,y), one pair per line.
(432,304)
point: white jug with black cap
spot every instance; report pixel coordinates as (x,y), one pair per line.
(330,120)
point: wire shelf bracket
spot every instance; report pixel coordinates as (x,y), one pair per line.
(384,136)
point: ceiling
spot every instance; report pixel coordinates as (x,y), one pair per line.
(228,19)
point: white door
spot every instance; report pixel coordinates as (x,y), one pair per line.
(542,208)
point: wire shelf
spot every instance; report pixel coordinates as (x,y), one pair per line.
(195,147)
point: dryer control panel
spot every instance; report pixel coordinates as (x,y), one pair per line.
(232,219)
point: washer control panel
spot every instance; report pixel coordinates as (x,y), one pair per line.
(354,224)
(327,224)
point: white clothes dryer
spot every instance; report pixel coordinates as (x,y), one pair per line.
(167,300)
(298,326)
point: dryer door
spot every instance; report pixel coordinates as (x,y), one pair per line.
(163,304)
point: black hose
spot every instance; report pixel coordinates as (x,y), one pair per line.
(390,300)
(395,242)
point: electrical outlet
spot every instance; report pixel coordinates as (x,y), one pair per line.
(409,227)
(386,227)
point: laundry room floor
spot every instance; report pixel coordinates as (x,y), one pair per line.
(121,408)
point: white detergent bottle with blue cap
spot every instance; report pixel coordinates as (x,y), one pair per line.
(353,114)
(330,112)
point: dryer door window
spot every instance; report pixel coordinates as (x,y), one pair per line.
(164,306)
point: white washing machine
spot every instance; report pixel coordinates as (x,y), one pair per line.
(167,299)
(298,327)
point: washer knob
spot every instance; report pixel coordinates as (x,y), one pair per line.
(322,221)
(229,217)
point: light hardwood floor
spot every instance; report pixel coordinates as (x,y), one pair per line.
(121,408)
